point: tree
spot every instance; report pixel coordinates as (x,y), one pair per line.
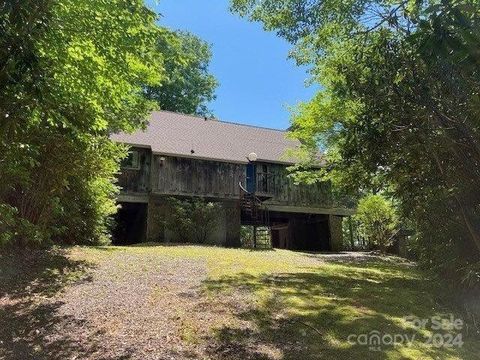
(377,221)
(398,110)
(71,72)
(188,87)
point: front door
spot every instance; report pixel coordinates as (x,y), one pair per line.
(251,176)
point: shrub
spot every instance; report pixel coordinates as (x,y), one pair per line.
(192,220)
(377,221)
(13,228)
(246,236)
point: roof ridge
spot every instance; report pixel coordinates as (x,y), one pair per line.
(220,121)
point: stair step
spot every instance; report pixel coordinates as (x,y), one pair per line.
(254,214)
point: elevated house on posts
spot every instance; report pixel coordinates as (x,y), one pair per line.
(241,167)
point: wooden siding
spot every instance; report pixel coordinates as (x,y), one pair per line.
(188,176)
(185,176)
(137,181)
(283,191)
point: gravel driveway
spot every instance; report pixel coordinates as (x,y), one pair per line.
(129,307)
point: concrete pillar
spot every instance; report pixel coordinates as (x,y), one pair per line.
(233,223)
(156,220)
(218,232)
(293,233)
(336,233)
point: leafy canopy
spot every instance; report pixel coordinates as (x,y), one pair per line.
(398,110)
(188,87)
(72,72)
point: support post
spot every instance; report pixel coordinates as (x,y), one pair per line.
(336,236)
(232,233)
(155,220)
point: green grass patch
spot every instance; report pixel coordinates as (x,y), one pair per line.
(308,305)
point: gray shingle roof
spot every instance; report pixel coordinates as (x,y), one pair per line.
(171,133)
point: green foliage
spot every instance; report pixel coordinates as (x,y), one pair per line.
(71,72)
(246,236)
(89,202)
(187,87)
(12,228)
(192,220)
(398,110)
(377,221)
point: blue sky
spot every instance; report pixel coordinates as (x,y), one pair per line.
(257,81)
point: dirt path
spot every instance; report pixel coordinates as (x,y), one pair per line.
(129,307)
(135,303)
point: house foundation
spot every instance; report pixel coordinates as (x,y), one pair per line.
(140,222)
(232,224)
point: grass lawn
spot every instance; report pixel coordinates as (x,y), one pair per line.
(175,302)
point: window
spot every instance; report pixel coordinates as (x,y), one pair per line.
(132,161)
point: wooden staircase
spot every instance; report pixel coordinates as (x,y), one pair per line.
(255,214)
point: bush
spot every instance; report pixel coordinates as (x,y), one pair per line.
(68,196)
(246,236)
(87,206)
(192,220)
(377,221)
(13,228)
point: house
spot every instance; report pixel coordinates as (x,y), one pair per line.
(242,167)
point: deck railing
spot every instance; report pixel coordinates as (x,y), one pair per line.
(265,183)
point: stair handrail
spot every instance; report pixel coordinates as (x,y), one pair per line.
(256,198)
(242,188)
